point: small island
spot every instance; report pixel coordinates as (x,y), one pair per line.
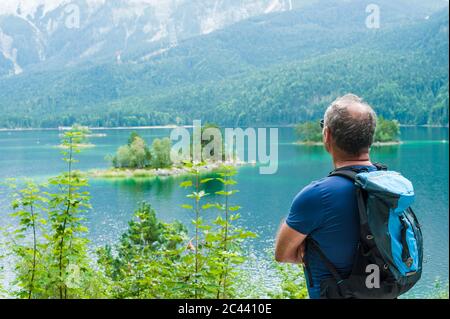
(138,160)
(309,133)
(82,141)
(387,133)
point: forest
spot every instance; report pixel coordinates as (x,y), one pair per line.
(386,131)
(402,72)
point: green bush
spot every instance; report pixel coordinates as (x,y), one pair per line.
(161,153)
(135,154)
(292,282)
(309,132)
(49,245)
(139,266)
(386,131)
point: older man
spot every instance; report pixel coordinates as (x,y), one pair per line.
(326,210)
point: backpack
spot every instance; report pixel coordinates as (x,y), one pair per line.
(388,260)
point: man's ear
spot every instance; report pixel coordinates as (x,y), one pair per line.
(326,135)
(327,139)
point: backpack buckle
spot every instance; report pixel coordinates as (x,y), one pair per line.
(408,262)
(380,167)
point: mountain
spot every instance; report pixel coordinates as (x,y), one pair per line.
(276,67)
(43,34)
(50,34)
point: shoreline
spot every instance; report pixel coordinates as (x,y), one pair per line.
(171,126)
(61,129)
(391,143)
(82,146)
(174,171)
(375,144)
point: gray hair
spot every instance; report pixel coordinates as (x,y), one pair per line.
(352,123)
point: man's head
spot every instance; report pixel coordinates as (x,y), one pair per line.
(349,127)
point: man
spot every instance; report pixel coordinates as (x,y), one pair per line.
(326,210)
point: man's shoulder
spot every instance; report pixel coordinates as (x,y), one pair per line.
(324,187)
(325,184)
(330,183)
(312,204)
(316,190)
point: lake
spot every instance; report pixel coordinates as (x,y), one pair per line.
(423,158)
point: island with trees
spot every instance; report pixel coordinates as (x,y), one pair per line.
(82,142)
(136,159)
(386,133)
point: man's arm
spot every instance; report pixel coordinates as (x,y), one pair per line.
(290,245)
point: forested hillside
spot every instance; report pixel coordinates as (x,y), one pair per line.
(280,68)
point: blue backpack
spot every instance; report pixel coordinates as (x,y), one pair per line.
(388,261)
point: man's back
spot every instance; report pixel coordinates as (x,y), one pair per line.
(326,210)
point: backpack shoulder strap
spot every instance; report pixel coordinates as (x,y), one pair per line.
(340,283)
(347,173)
(380,167)
(350,172)
(314,245)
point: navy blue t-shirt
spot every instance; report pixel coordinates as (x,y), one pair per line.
(327,211)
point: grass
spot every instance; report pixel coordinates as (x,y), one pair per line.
(77,145)
(122,173)
(151,172)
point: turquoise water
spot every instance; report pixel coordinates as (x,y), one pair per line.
(423,158)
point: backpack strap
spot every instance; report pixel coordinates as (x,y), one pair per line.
(347,173)
(312,244)
(351,172)
(380,167)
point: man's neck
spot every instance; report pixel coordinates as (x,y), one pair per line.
(363,160)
